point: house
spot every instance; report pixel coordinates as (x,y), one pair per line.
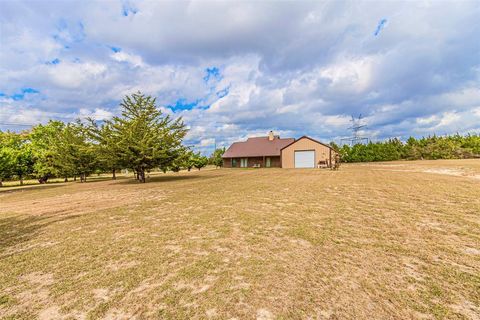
(272,151)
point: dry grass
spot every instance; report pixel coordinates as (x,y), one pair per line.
(385,241)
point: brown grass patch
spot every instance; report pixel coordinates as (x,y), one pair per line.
(383,240)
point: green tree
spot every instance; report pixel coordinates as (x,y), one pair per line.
(216,157)
(17,154)
(199,161)
(106,146)
(6,159)
(44,141)
(75,153)
(182,161)
(6,164)
(334,146)
(145,138)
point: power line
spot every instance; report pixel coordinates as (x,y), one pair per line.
(17,124)
(356,127)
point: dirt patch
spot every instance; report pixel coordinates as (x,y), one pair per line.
(50,313)
(39,279)
(467,309)
(446,171)
(264,314)
(211,313)
(116,314)
(101,294)
(472,251)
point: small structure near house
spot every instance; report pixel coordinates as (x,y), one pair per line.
(272,151)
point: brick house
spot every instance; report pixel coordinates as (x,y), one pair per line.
(272,151)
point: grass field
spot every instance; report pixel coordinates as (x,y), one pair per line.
(396,240)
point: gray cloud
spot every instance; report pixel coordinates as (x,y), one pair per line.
(296,67)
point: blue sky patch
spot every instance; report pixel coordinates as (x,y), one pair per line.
(115,49)
(68,32)
(212,73)
(21,95)
(380,26)
(183,104)
(127,10)
(222,93)
(54,61)
(30,90)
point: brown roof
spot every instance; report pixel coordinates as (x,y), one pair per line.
(257,147)
(307,137)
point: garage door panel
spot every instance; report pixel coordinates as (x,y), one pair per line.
(305,159)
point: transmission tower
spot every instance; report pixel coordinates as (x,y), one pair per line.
(357,125)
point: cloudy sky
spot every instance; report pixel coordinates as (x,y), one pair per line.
(238,69)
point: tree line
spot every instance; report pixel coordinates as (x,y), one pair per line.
(429,148)
(142,139)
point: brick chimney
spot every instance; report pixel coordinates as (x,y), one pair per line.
(271,136)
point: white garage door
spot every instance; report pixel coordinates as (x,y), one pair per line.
(305,159)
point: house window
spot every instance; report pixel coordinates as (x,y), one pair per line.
(243,162)
(234,162)
(268,162)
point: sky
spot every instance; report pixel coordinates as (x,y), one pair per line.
(238,69)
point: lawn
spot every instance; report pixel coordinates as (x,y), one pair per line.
(396,240)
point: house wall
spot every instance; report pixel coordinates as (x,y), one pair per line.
(227,162)
(252,161)
(274,162)
(322,153)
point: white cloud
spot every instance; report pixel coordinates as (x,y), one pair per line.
(74,75)
(427,120)
(207,142)
(133,59)
(447,119)
(476,111)
(350,74)
(97,114)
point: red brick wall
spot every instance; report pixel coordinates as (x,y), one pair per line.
(255,161)
(227,163)
(274,162)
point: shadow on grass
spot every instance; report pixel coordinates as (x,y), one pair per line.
(16,230)
(55,184)
(100,179)
(169,178)
(30,183)
(31,187)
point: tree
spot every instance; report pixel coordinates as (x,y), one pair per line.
(6,165)
(75,153)
(185,160)
(145,138)
(17,155)
(199,161)
(334,146)
(106,146)
(44,141)
(6,159)
(216,157)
